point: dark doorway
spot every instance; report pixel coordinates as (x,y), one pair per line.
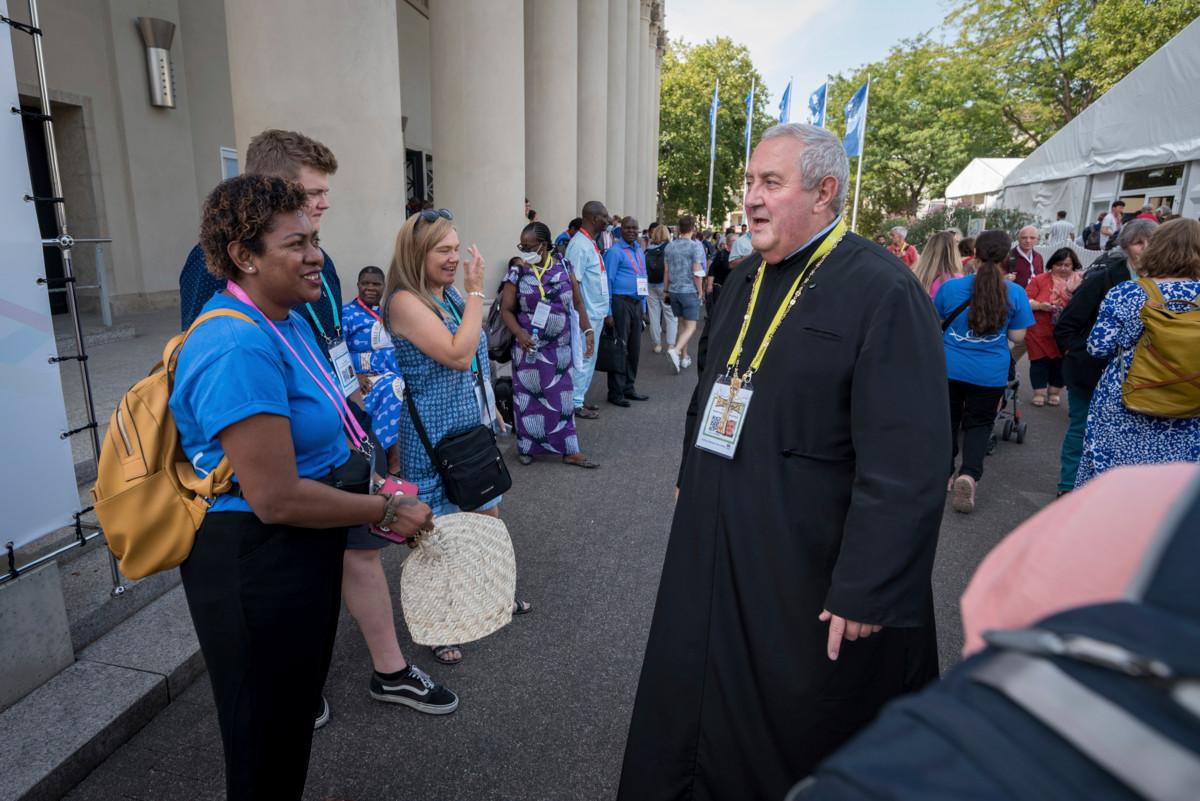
(414,180)
(39,176)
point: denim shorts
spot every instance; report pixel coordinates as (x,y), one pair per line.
(448,508)
(686,307)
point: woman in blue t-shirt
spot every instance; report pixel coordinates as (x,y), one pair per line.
(981,314)
(263,581)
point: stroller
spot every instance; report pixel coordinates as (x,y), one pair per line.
(1008,414)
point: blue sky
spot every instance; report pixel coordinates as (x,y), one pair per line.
(805,39)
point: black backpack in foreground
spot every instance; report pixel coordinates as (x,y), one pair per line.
(1099,703)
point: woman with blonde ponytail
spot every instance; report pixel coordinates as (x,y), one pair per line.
(981,314)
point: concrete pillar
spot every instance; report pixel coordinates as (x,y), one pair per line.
(551,110)
(347,96)
(659,52)
(633,102)
(592,97)
(478,102)
(645,181)
(618,41)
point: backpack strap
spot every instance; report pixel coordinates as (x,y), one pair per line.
(175,344)
(1154,766)
(1154,295)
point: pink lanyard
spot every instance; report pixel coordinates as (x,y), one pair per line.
(633,262)
(351,425)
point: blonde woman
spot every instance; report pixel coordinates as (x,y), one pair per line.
(939,263)
(441,351)
(658,310)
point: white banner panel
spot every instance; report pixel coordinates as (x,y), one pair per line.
(37,473)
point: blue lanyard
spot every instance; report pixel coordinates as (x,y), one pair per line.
(450,307)
(337,317)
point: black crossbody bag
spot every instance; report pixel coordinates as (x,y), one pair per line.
(472,470)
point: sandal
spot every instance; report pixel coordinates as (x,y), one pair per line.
(442,653)
(521,607)
(585,463)
(587,414)
(1039,400)
(524,458)
(1054,400)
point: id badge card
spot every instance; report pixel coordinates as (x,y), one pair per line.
(603,285)
(343,366)
(541,315)
(643,287)
(724,418)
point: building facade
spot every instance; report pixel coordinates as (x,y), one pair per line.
(475,105)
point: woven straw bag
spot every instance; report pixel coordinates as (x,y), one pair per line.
(459,583)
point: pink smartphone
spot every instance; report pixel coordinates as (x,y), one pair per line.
(390,486)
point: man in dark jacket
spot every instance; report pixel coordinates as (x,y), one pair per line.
(1081,370)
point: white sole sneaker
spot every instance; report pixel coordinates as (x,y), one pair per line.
(674,357)
(428,709)
(962,496)
(322,718)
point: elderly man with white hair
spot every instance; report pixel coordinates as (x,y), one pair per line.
(1023,261)
(795,597)
(900,248)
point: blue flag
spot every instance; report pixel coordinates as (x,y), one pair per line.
(712,121)
(816,106)
(785,103)
(749,118)
(856,121)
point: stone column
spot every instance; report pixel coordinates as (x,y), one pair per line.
(618,23)
(592,97)
(659,52)
(551,110)
(349,99)
(647,158)
(478,101)
(633,103)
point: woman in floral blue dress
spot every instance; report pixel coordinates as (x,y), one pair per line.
(1115,435)
(543,405)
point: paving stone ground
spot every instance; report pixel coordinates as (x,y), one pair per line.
(546,701)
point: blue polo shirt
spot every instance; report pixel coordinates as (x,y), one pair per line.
(624,264)
(230,370)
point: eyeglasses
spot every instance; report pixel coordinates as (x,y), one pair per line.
(431,215)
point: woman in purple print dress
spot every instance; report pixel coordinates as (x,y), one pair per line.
(537,297)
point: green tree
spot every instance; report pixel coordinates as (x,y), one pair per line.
(1051,59)
(689,73)
(930,112)
(1124,33)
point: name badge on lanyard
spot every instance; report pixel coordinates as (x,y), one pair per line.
(343,366)
(724,417)
(541,315)
(643,286)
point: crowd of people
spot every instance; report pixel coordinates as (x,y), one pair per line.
(316,403)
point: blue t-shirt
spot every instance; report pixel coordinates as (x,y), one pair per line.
(975,359)
(230,370)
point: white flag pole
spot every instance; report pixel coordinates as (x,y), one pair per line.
(712,153)
(862,146)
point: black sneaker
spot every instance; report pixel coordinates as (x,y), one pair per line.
(322,714)
(416,689)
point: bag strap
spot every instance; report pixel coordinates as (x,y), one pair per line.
(175,344)
(1154,295)
(959,310)
(1151,764)
(419,426)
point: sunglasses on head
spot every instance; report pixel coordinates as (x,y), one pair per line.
(431,215)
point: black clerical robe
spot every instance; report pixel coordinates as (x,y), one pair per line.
(833,500)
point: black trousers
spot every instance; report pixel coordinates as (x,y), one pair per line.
(1045,371)
(973,409)
(627,320)
(265,601)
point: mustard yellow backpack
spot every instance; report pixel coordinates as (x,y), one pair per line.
(1164,376)
(147,495)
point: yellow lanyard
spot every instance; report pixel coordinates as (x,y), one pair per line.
(539,273)
(789,300)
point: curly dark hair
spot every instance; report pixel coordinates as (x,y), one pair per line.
(242,209)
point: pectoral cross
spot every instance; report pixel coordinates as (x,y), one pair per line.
(735,383)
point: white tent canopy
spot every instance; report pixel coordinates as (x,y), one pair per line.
(1150,118)
(981,177)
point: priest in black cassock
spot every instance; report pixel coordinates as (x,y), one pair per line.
(795,598)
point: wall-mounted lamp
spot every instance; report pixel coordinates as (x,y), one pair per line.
(157,35)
